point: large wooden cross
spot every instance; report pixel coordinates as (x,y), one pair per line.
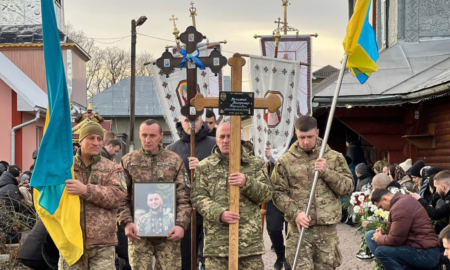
(167,63)
(272,103)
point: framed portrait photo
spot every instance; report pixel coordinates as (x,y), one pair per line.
(154,208)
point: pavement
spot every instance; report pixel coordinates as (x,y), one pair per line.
(349,243)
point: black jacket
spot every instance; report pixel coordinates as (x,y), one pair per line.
(212,133)
(203,145)
(9,191)
(439,212)
(356,153)
(364,180)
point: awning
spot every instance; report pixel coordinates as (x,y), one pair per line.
(29,96)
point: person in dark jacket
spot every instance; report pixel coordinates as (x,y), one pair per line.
(410,240)
(210,119)
(30,253)
(365,176)
(3,167)
(9,190)
(110,150)
(355,151)
(442,185)
(275,220)
(203,148)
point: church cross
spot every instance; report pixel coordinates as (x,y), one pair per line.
(173,19)
(279,21)
(272,103)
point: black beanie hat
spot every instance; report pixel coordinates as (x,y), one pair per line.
(415,169)
(432,171)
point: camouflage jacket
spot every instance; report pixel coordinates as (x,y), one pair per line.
(106,187)
(166,166)
(155,224)
(210,198)
(293,177)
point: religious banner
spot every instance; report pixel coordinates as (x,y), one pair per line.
(298,48)
(172,91)
(278,77)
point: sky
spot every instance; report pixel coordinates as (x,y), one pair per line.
(233,20)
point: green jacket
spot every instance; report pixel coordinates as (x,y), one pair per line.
(210,198)
(293,177)
(152,224)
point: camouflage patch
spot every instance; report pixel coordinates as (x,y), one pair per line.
(123,181)
(139,164)
(187,180)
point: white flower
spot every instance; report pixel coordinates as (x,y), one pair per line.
(373,208)
(353,201)
(361,198)
(367,192)
(356,209)
(365,205)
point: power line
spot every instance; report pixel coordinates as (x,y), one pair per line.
(96,41)
(156,37)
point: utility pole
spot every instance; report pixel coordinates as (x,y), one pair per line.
(134,24)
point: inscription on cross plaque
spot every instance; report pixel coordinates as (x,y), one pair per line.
(272,103)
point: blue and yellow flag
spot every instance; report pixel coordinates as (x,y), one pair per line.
(360,43)
(59,211)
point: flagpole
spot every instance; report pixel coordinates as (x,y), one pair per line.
(322,152)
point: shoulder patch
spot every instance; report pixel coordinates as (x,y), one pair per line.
(123,181)
(187,180)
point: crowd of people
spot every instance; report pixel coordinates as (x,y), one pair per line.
(417,231)
(417,235)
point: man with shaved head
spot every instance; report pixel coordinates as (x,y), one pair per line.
(382,181)
(210,197)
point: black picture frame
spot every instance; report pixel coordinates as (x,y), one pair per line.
(157,221)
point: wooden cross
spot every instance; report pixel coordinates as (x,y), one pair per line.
(167,63)
(272,103)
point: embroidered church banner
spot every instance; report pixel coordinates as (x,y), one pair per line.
(172,91)
(278,77)
(298,49)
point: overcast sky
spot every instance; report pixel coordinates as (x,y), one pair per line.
(234,20)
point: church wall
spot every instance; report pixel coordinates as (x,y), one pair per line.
(29,140)
(437,112)
(434,18)
(30,61)
(79,79)
(6,121)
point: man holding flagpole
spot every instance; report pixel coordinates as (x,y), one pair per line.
(101,185)
(292,183)
(361,54)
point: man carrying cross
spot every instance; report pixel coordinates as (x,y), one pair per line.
(210,198)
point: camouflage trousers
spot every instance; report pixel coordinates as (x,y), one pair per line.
(101,258)
(319,251)
(167,254)
(245,263)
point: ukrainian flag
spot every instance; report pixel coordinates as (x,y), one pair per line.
(59,211)
(360,43)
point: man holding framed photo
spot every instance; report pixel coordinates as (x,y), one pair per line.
(153,164)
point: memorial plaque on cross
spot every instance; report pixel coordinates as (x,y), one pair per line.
(191,61)
(272,103)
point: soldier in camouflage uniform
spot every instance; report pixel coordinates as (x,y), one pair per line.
(152,163)
(101,185)
(210,198)
(292,179)
(155,222)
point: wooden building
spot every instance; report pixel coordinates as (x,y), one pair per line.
(402,111)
